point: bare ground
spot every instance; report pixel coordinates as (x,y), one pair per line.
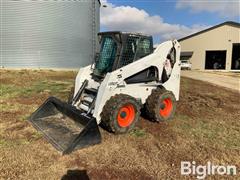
(206,128)
(230,80)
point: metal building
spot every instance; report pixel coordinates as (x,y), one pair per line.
(215,48)
(48,33)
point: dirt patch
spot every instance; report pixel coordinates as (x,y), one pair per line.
(23,78)
(58,76)
(39,99)
(203,101)
(161,129)
(6,81)
(104,173)
(17,127)
(109,173)
(9,116)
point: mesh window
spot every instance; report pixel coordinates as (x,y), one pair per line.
(107,55)
(129,51)
(144,48)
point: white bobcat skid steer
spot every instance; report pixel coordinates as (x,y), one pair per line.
(127,75)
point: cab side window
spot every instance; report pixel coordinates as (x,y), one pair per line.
(129,51)
(144,48)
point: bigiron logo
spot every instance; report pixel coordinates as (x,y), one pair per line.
(202,171)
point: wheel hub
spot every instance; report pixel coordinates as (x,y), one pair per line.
(123,114)
(166,107)
(126,115)
(162,106)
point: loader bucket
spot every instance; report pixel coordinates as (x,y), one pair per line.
(64,126)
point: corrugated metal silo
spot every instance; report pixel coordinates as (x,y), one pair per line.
(48,33)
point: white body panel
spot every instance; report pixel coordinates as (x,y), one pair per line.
(83,74)
(114,83)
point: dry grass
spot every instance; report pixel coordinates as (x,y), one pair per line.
(206,128)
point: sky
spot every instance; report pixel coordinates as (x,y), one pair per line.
(166,19)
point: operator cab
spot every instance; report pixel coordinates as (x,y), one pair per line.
(118,49)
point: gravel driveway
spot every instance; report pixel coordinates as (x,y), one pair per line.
(218,78)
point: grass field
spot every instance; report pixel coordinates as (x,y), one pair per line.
(206,127)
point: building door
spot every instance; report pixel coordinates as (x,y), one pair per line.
(215,60)
(236,56)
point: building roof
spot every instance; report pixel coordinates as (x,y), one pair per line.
(230,23)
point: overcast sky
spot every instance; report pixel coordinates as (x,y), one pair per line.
(167,19)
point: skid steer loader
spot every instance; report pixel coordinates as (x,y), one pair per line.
(127,75)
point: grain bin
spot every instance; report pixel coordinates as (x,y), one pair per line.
(48,33)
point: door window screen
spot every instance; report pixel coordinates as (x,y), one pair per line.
(129,51)
(107,55)
(144,48)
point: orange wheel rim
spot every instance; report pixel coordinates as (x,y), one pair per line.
(126,115)
(166,110)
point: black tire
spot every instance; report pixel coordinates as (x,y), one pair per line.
(160,105)
(113,115)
